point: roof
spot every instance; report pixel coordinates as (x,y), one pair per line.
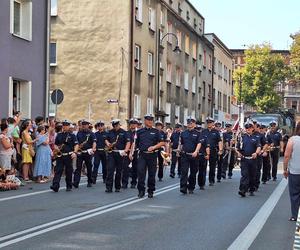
(220,43)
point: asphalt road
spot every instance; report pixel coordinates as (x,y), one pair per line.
(89,218)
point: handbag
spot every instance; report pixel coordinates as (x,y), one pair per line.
(31,151)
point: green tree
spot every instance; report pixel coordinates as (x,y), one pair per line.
(262,71)
(295,57)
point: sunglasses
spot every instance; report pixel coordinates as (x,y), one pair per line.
(248,126)
(190,121)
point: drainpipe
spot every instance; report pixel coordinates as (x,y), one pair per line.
(47,89)
(131,59)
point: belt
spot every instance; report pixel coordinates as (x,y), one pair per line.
(187,153)
(248,157)
(151,152)
(65,154)
(100,149)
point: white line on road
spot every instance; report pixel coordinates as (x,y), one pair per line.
(246,238)
(33,193)
(50,226)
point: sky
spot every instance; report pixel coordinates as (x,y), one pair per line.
(240,23)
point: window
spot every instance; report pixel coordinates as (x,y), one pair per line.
(178,33)
(139,10)
(169,30)
(186,80)
(187,15)
(185,115)
(137,106)
(229,105)
(150,63)
(194,84)
(194,50)
(177,112)
(149,106)
(169,92)
(204,58)
(224,103)
(204,89)
(187,44)
(168,111)
(20,97)
(21,18)
(179,8)
(209,62)
(178,76)
(53,54)
(169,72)
(215,65)
(151,19)
(195,23)
(137,57)
(162,18)
(53,7)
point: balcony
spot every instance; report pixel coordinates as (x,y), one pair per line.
(291,94)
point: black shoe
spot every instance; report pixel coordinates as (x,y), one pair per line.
(117,190)
(251,194)
(89,185)
(132,186)
(223,176)
(255,189)
(68,189)
(229,177)
(160,179)
(264,182)
(242,194)
(202,188)
(274,179)
(150,194)
(172,175)
(191,191)
(141,194)
(218,180)
(211,184)
(104,181)
(108,190)
(54,189)
(75,185)
(93,181)
(183,190)
(124,186)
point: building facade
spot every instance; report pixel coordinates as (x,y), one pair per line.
(223,108)
(24,56)
(153,58)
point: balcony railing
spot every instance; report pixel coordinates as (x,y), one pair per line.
(292,94)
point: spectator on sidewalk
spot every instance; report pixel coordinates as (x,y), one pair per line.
(291,169)
(42,164)
(6,149)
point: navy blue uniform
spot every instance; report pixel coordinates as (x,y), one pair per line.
(189,140)
(100,156)
(66,141)
(116,162)
(85,138)
(160,173)
(202,160)
(274,138)
(247,145)
(213,138)
(175,141)
(220,161)
(266,175)
(147,137)
(228,163)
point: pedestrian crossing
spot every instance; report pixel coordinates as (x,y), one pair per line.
(297,233)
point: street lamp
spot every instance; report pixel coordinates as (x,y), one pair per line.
(176,50)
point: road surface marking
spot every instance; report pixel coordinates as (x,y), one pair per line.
(249,234)
(50,226)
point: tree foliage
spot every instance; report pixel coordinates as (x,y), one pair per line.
(295,57)
(262,71)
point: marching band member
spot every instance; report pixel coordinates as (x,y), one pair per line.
(275,139)
(66,145)
(100,154)
(118,143)
(191,144)
(266,167)
(87,146)
(149,140)
(248,148)
(159,126)
(229,157)
(175,145)
(133,127)
(218,127)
